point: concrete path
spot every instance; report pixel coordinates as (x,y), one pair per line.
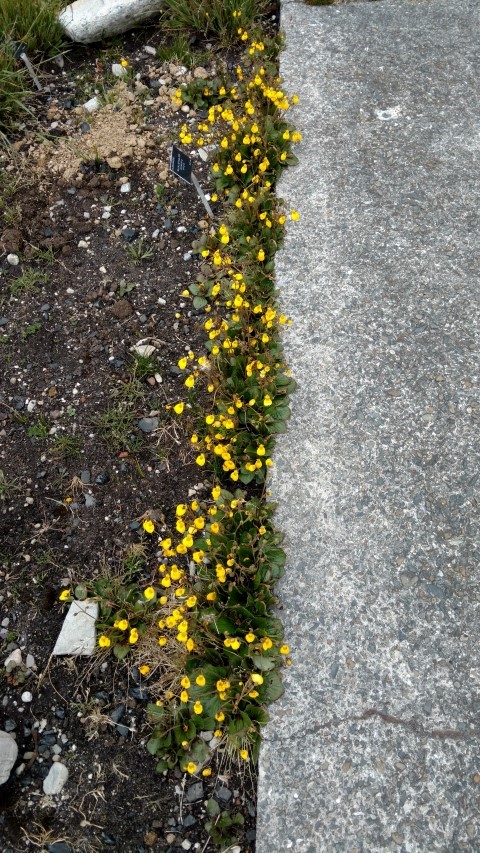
(374,746)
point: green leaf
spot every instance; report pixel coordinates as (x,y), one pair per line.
(212,807)
(272,687)
(121,652)
(199,302)
(161,766)
(263,664)
(154,745)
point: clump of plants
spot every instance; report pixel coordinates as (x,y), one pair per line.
(201,632)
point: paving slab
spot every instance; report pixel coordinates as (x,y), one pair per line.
(374,745)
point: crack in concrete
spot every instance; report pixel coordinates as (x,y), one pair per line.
(411,725)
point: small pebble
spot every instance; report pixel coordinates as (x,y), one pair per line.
(13,260)
(27,696)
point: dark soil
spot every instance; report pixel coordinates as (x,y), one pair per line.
(99,271)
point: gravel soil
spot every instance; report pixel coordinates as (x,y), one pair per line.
(95,251)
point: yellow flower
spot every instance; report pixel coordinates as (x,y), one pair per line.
(218,733)
(144,670)
(285,650)
(261,450)
(261,255)
(250,637)
(207,771)
(162,641)
(185,682)
(197,708)
(244,754)
(123,624)
(295,215)
(133,636)
(124,63)
(149,593)
(191,767)
(182,363)
(257,678)
(190,381)
(184,696)
(166,544)
(191,601)
(200,680)
(253,694)
(64,595)
(178,408)
(148,526)
(267,644)
(104,641)
(200,460)
(219,716)
(216,491)
(267,400)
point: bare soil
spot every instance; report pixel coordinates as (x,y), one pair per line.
(100,271)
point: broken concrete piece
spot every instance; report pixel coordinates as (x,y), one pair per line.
(77,636)
(87,21)
(8,755)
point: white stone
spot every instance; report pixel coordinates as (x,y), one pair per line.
(13,260)
(77,636)
(92,105)
(149,49)
(143,350)
(57,776)
(87,21)
(125,188)
(8,755)
(26,697)
(14,657)
(118,70)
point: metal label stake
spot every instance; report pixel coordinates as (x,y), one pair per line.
(18,51)
(181,166)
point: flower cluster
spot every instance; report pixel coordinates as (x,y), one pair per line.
(201,631)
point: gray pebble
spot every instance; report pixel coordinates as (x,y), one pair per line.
(148,424)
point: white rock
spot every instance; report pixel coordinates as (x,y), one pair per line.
(26,697)
(125,188)
(91,20)
(92,105)
(57,776)
(200,73)
(115,162)
(14,657)
(203,154)
(13,260)
(118,70)
(8,755)
(30,662)
(77,636)
(82,244)
(143,350)
(149,49)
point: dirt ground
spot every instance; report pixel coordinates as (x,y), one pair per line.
(102,234)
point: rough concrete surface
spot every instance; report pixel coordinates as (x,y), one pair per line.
(374,745)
